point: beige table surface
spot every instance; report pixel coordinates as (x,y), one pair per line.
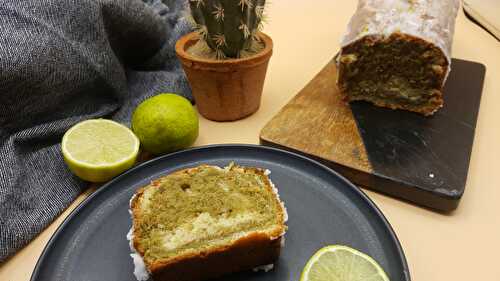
(461,246)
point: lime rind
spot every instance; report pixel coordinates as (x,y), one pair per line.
(379,272)
(66,153)
(99,172)
(165,123)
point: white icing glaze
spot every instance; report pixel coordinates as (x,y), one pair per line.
(275,190)
(130,204)
(431,20)
(140,271)
(265,267)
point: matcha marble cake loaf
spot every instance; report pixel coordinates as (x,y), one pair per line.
(204,222)
(396,53)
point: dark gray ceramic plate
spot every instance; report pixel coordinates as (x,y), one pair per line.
(323,207)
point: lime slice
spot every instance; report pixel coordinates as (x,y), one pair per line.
(341,263)
(97,150)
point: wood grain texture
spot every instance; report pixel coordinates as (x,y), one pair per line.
(319,113)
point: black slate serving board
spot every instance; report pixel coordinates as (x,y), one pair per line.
(420,159)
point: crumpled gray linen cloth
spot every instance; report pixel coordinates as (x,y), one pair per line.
(61,62)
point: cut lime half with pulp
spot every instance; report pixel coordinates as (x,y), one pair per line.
(97,150)
(342,263)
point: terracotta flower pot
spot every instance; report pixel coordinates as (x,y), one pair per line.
(225,90)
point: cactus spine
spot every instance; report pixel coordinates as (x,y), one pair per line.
(229,27)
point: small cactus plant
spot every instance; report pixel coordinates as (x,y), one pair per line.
(228,27)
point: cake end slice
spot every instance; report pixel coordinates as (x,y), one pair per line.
(399,72)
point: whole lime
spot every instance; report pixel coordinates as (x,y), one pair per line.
(165,123)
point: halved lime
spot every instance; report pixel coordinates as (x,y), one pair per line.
(97,150)
(342,263)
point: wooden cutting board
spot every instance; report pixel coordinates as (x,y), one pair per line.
(420,159)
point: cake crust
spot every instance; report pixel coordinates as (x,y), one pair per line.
(254,249)
(397,54)
(244,254)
